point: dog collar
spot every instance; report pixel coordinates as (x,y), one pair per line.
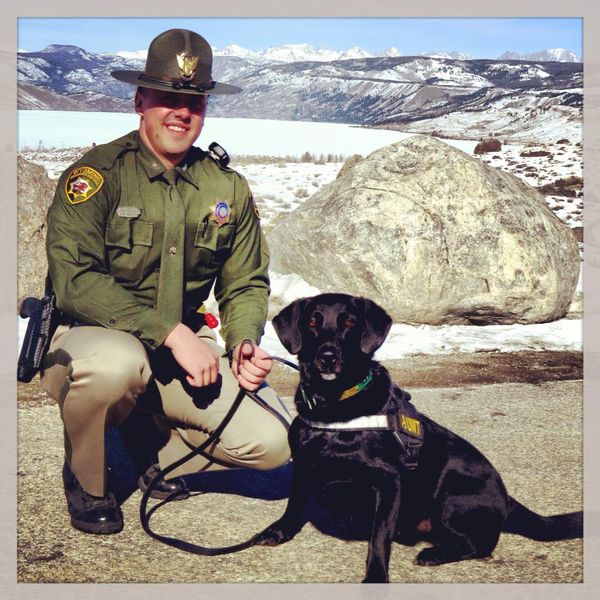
(359,387)
(355,389)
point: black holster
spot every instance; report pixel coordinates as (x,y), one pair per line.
(44,318)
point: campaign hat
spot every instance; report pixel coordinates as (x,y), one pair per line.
(178,61)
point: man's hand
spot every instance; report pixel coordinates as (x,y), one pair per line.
(199,360)
(250,364)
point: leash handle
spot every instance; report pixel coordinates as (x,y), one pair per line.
(230,352)
(242,350)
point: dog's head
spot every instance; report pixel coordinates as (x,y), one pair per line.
(332,334)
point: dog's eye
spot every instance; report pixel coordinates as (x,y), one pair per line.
(349,323)
(312,323)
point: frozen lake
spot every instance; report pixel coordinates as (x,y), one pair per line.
(62,129)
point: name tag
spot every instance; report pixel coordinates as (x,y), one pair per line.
(129,212)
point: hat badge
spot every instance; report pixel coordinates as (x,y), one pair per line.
(187,65)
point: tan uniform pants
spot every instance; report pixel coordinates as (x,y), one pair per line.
(98,376)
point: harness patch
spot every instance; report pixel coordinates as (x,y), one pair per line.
(82,183)
(411,426)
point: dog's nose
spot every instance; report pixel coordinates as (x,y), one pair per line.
(327,356)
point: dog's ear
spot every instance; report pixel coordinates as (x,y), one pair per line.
(377,325)
(287,325)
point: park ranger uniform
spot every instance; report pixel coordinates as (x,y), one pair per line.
(134,249)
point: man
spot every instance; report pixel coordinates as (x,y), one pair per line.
(138,232)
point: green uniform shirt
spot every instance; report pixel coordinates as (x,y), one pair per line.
(106,237)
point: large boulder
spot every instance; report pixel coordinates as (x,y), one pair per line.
(35,191)
(435,236)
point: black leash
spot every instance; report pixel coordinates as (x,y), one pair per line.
(145,515)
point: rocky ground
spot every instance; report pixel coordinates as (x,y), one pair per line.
(505,404)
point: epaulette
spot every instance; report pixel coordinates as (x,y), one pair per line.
(104,155)
(85,178)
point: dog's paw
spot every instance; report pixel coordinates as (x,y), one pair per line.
(269,537)
(437,555)
(272,536)
(376,577)
(429,557)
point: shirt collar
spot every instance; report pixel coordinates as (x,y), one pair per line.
(184,167)
(155,169)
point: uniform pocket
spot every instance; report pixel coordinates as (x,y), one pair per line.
(212,246)
(127,246)
(213,238)
(118,234)
(142,233)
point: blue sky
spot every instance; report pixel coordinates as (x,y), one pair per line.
(478,37)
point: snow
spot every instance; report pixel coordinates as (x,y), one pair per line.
(79,76)
(136,54)
(391,52)
(354,52)
(303,52)
(515,124)
(278,185)
(407,340)
(552,54)
(32,70)
(299,53)
(234,50)
(281,188)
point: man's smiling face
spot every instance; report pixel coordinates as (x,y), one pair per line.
(170,122)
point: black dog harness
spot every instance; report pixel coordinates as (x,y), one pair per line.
(405,424)
(407,431)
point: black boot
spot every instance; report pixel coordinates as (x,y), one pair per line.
(166,487)
(91,514)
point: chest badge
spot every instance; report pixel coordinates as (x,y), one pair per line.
(221,213)
(82,183)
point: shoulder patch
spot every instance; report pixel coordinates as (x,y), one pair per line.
(82,183)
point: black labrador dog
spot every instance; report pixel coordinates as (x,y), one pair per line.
(355,425)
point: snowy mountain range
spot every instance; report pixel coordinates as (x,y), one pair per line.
(302,83)
(554,54)
(306,52)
